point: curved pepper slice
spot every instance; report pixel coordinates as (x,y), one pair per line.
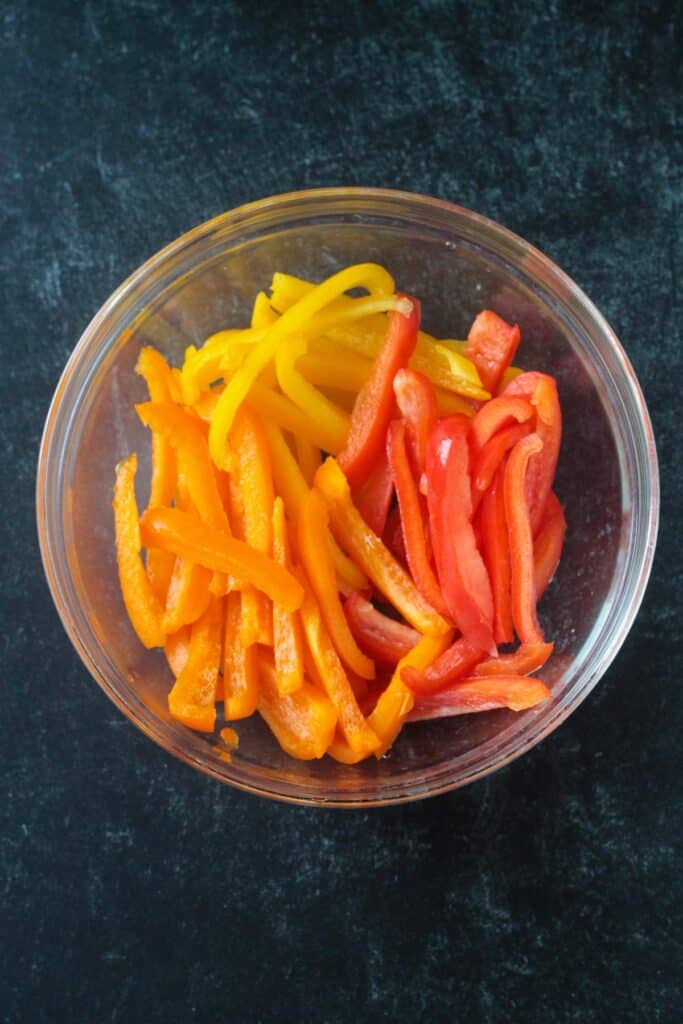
(548,544)
(412,522)
(462,573)
(375,404)
(496,550)
(287,639)
(145,611)
(156,372)
(522,585)
(526,659)
(417,403)
(177,649)
(240,675)
(480,694)
(384,639)
(160,565)
(500,412)
(491,345)
(177,531)
(456,661)
(541,391)
(303,722)
(490,457)
(371,554)
(332,423)
(375,498)
(188,595)
(192,699)
(315,557)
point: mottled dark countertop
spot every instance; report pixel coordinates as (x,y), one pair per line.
(133,888)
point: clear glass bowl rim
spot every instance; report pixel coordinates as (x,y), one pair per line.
(300,207)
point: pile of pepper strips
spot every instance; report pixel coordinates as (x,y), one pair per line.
(341,598)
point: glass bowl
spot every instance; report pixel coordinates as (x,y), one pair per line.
(457,263)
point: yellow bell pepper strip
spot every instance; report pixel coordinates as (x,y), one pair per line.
(159,565)
(480,694)
(263,314)
(508,377)
(518,517)
(309,458)
(370,276)
(371,554)
(156,372)
(224,352)
(240,675)
(334,679)
(291,485)
(375,404)
(332,423)
(450,404)
(252,496)
(286,290)
(144,608)
(335,368)
(287,639)
(396,703)
(184,535)
(177,649)
(188,595)
(192,699)
(303,722)
(312,530)
(281,411)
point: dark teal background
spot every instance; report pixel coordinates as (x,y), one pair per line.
(133,889)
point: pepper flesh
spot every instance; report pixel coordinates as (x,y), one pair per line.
(490,457)
(491,345)
(417,403)
(240,676)
(188,595)
(517,515)
(495,415)
(480,694)
(287,638)
(526,659)
(496,550)
(156,373)
(384,639)
(541,390)
(302,722)
(548,543)
(456,661)
(375,498)
(192,699)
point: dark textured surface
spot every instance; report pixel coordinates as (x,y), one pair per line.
(134,889)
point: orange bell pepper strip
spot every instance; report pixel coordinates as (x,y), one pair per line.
(144,608)
(541,391)
(192,699)
(372,556)
(490,457)
(309,458)
(491,345)
(384,639)
(303,722)
(548,544)
(417,403)
(496,551)
(397,701)
(287,638)
(480,694)
(526,659)
(314,555)
(188,595)
(375,404)
(456,661)
(412,521)
(159,565)
(240,674)
(374,500)
(252,496)
(156,372)
(177,649)
(177,531)
(334,680)
(496,414)
(517,515)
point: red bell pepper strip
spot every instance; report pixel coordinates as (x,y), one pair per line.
(462,573)
(541,391)
(548,544)
(393,536)
(494,415)
(456,661)
(526,659)
(480,694)
(417,403)
(411,518)
(491,345)
(375,404)
(382,638)
(496,549)
(522,584)
(375,498)
(490,457)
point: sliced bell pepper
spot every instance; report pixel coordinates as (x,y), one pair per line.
(526,659)
(384,639)
(188,595)
(335,367)
(541,391)
(417,403)
(177,649)
(287,638)
(491,345)
(159,565)
(393,536)
(462,573)
(283,413)
(156,372)
(144,608)
(548,543)
(334,679)
(495,415)
(490,457)
(309,458)
(517,515)
(314,555)
(192,699)
(332,423)
(263,314)
(375,499)
(181,533)
(375,404)
(456,661)
(480,694)
(372,556)
(303,722)
(240,673)
(412,521)
(397,701)
(496,551)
